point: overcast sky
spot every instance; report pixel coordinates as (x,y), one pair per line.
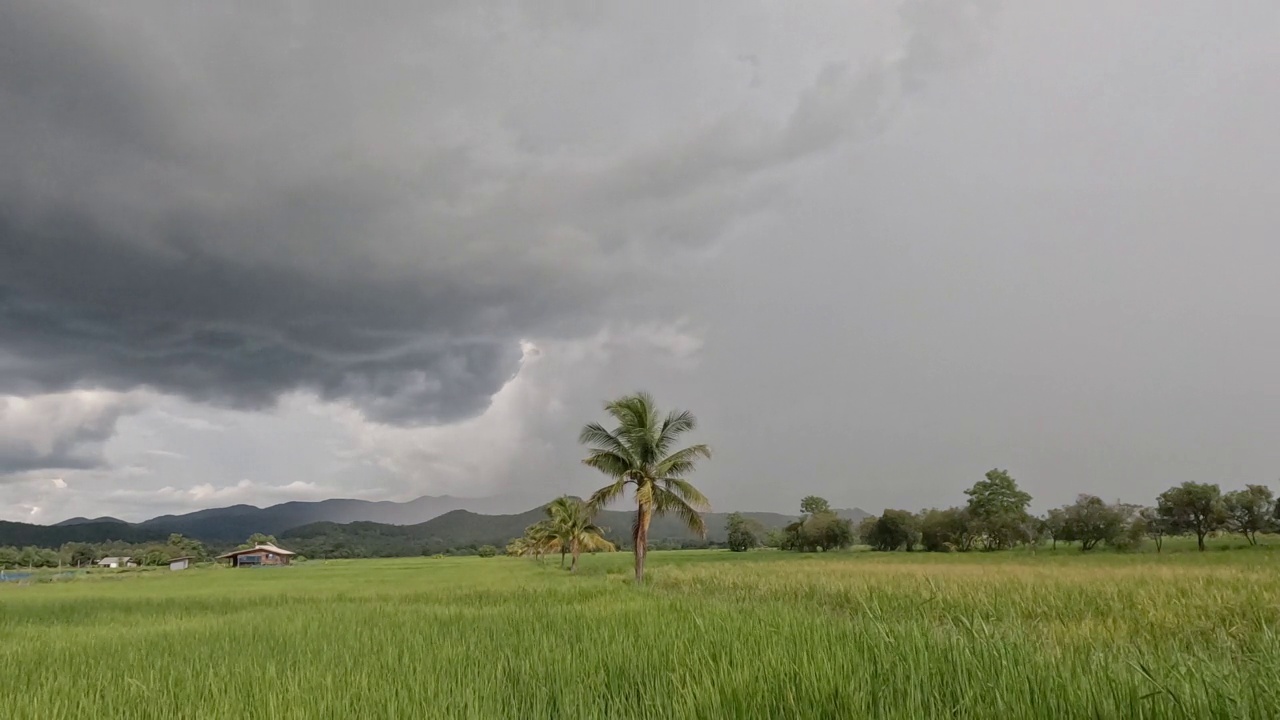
(255,253)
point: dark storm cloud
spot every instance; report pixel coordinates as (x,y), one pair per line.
(374,206)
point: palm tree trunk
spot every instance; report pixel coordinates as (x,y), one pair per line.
(562,552)
(643,515)
(573,549)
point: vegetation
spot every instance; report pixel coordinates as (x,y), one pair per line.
(819,528)
(762,634)
(1250,511)
(80,554)
(744,533)
(1193,507)
(569,529)
(640,453)
(998,511)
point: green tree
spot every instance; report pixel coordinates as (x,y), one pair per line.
(1153,525)
(573,524)
(1053,525)
(945,530)
(1090,521)
(640,452)
(254,540)
(821,530)
(487,551)
(998,509)
(1250,511)
(743,533)
(894,529)
(79,554)
(812,505)
(1193,507)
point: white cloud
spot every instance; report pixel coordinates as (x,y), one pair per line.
(521,444)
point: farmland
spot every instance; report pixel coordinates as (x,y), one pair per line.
(713,634)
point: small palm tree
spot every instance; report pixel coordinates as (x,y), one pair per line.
(573,523)
(640,452)
(539,539)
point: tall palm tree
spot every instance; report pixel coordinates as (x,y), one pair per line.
(640,452)
(573,523)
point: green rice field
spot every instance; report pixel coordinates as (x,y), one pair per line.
(712,635)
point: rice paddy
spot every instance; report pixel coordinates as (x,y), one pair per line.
(712,635)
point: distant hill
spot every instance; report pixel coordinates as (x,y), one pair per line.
(462,528)
(86,521)
(235,523)
(438,522)
(52,536)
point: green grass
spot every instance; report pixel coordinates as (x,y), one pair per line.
(714,635)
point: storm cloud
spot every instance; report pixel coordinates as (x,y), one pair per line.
(374,206)
(252,252)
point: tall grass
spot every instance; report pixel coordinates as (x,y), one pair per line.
(713,635)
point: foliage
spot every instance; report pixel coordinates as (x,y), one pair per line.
(640,453)
(255,540)
(822,530)
(1154,525)
(487,551)
(1090,521)
(893,530)
(572,523)
(1193,507)
(1053,525)
(1250,511)
(998,510)
(945,530)
(812,505)
(743,533)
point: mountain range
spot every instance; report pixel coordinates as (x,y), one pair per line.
(442,521)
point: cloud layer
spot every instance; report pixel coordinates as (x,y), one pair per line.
(229,207)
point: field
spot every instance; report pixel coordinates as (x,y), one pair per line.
(713,635)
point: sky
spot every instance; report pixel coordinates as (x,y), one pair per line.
(258,253)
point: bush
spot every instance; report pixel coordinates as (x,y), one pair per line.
(487,551)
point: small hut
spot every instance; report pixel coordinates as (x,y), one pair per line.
(117,562)
(258,556)
(181,563)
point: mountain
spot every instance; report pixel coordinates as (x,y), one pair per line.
(463,528)
(86,521)
(17,534)
(438,522)
(235,523)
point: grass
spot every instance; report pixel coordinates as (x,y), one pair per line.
(713,635)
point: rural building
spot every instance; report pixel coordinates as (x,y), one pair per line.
(117,562)
(181,563)
(257,556)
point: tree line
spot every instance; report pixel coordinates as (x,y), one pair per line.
(996,517)
(82,554)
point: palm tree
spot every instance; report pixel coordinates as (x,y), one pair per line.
(640,452)
(573,523)
(540,539)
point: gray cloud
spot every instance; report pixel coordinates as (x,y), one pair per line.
(64,431)
(228,206)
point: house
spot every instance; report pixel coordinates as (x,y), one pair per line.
(117,562)
(181,563)
(257,556)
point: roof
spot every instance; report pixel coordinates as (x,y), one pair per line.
(109,560)
(184,557)
(258,548)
